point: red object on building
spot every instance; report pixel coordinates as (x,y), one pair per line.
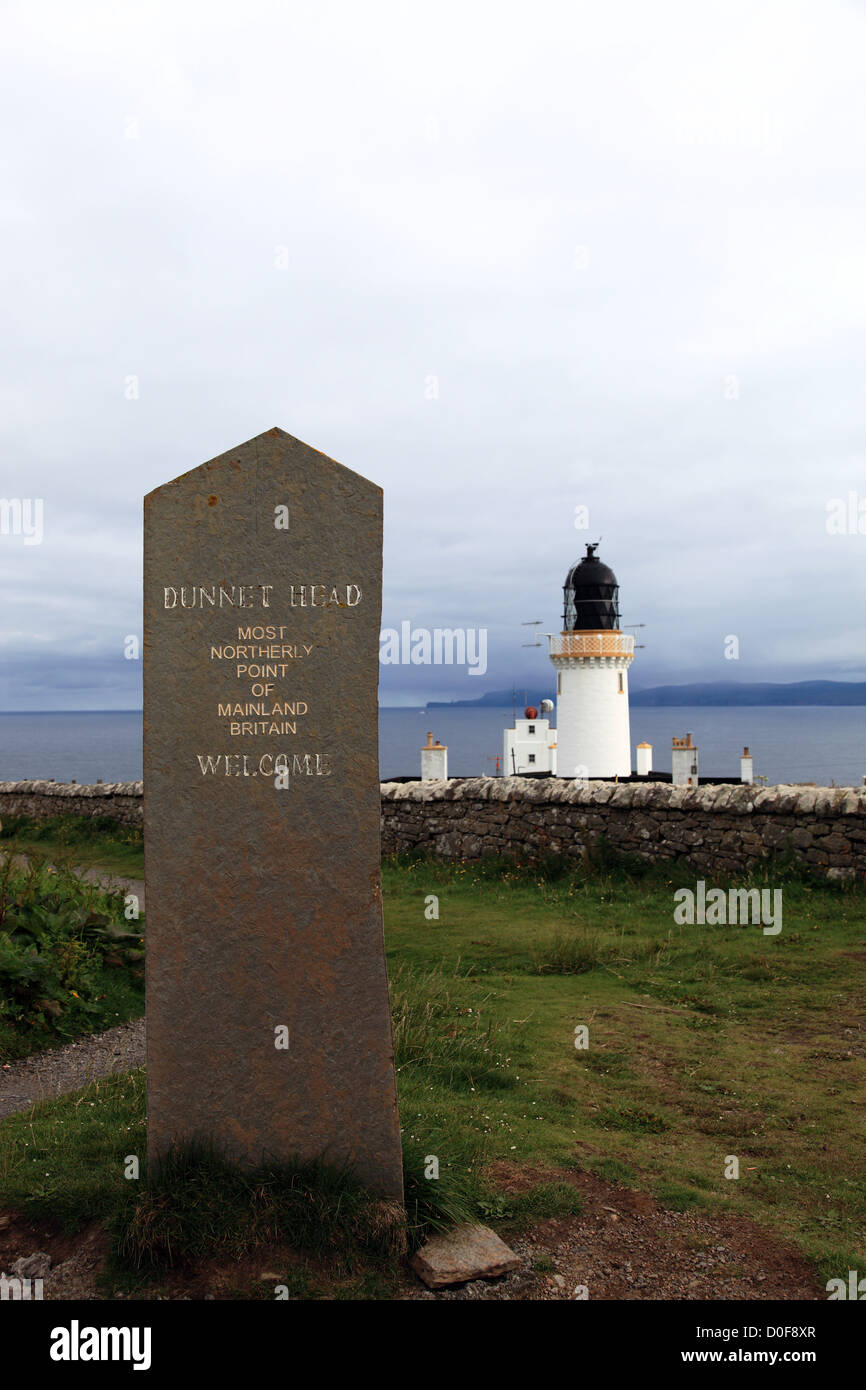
(530,712)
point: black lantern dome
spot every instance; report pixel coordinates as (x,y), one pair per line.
(590,596)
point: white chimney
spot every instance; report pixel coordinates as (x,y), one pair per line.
(684,762)
(644,759)
(746,774)
(434,761)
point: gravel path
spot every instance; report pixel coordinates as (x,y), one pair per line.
(129,885)
(68,1068)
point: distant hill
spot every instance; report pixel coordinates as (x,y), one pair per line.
(498,699)
(730,693)
(705,693)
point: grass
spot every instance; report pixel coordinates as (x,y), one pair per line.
(100,842)
(569,953)
(64,1161)
(703,1042)
(198,1204)
(441,1038)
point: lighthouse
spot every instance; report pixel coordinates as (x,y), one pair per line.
(591,657)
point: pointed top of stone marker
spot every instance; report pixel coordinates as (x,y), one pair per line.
(273,440)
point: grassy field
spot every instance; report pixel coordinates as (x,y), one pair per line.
(703,1041)
(705,1044)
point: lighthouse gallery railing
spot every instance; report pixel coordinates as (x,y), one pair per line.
(605,643)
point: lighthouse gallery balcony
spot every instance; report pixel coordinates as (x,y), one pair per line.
(601,643)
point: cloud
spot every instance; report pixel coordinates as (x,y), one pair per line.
(625,240)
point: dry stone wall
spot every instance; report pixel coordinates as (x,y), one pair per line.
(726,827)
(42,800)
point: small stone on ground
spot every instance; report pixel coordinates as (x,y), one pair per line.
(469,1252)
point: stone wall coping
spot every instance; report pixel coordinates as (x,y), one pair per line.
(725,798)
(71,789)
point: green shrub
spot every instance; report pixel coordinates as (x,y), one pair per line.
(58,933)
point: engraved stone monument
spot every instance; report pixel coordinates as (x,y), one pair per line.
(268,1026)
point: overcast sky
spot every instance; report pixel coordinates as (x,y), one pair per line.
(505,260)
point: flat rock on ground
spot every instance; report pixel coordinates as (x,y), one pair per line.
(469,1252)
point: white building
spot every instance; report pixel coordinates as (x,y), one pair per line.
(684,762)
(434,761)
(531,745)
(591,657)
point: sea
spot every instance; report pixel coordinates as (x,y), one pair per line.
(821,744)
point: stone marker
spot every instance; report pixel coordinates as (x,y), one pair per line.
(268,1025)
(467,1252)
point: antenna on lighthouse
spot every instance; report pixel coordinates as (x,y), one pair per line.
(514,700)
(534,622)
(638,646)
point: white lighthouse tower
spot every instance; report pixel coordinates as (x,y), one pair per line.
(592,657)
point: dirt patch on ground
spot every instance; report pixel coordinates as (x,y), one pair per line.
(74,1261)
(72,1265)
(624,1245)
